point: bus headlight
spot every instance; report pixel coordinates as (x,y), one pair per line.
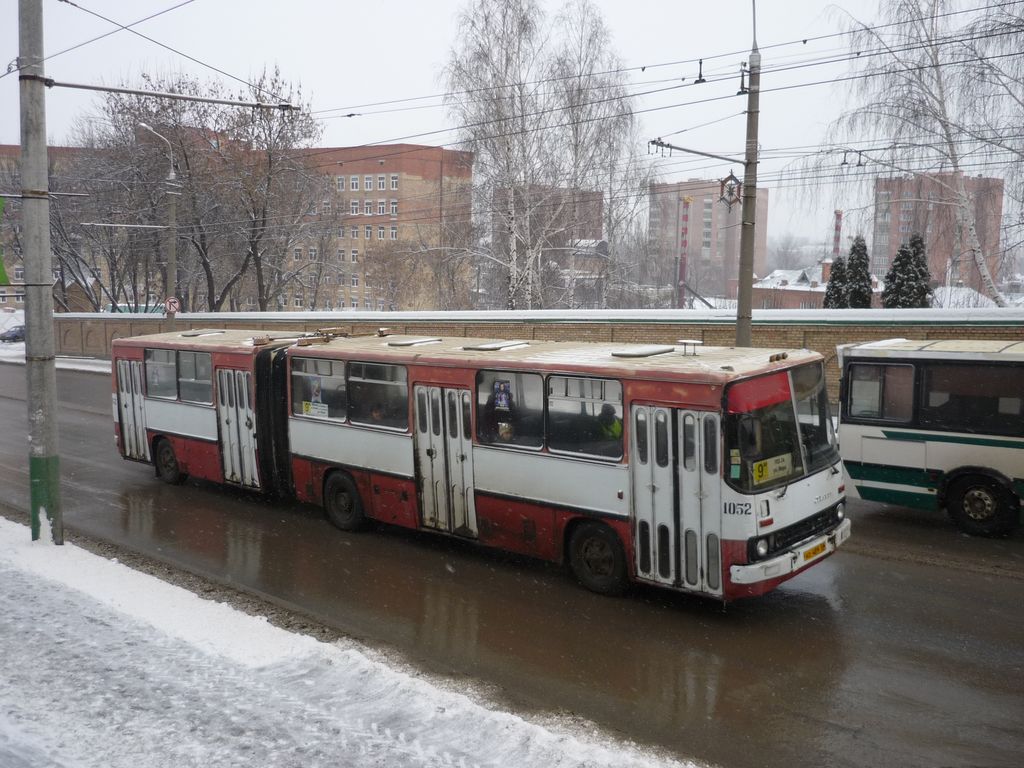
(762,547)
(840,511)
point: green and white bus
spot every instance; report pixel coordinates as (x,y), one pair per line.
(936,424)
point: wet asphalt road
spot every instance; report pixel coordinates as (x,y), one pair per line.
(904,649)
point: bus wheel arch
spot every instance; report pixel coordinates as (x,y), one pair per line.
(342,502)
(166,462)
(597,557)
(981,503)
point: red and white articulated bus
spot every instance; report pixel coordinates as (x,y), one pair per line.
(713,471)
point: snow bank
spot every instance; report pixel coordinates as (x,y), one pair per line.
(106,666)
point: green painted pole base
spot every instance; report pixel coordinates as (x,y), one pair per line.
(44,493)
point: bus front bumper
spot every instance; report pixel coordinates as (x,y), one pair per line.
(792,561)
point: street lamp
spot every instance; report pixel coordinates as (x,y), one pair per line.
(171,244)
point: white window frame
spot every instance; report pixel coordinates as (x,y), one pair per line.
(394,181)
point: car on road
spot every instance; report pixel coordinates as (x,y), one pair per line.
(14,333)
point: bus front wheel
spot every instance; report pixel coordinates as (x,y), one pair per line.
(597,559)
(982,507)
(342,503)
(167,466)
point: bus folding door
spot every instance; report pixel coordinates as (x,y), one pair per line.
(652,464)
(700,486)
(237,419)
(132,410)
(444,459)
(676,497)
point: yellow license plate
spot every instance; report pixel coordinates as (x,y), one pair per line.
(814,551)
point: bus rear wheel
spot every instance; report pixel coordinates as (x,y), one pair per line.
(597,559)
(982,507)
(167,466)
(342,503)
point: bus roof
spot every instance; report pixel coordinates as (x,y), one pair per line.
(209,339)
(603,358)
(949,349)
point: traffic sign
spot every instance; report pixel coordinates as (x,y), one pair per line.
(172,305)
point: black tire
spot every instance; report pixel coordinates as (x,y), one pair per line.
(981,506)
(342,503)
(597,559)
(167,468)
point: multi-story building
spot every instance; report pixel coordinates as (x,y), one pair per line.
(394,230)
(695,237)
(926,204)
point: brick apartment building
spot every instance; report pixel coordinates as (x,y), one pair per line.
(695,237)
(390,211)
(924,203)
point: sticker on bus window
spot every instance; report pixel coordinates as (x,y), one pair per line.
(314,409)
(734,455)
(769,469)
(734,472)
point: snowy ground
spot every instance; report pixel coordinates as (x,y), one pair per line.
(101,665)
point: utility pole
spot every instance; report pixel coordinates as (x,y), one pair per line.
(171,234)
(746,272)
(44,466)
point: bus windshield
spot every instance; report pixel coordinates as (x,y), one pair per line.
(778,429)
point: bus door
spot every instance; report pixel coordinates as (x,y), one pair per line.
(699,500)
(444,466)
(237,419)
(656,529)
(132,410)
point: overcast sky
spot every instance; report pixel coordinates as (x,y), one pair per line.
(384,61)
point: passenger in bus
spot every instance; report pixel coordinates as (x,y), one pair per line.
(609,425)
(499,414)
(377,414)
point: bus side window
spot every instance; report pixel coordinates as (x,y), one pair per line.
(378,395)
(510,408)
(161,374)
(971,398)
(195,377)
(881,391)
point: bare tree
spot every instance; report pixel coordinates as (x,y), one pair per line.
(546,114)
(242,193)
(915,97)
(784,252)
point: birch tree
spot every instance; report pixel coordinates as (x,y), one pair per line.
(917,96)
(547,115)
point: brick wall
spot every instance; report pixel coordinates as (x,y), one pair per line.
(91,334)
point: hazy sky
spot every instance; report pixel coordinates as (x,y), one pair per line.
(383,61)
